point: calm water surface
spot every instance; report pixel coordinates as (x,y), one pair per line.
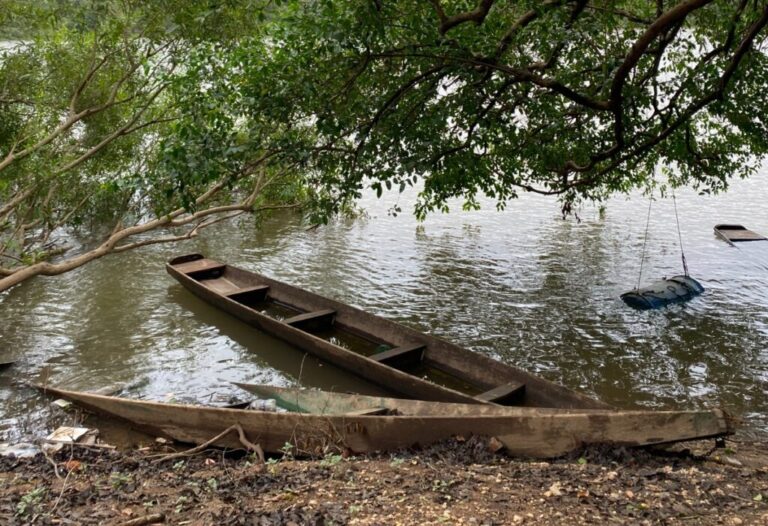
(523,286)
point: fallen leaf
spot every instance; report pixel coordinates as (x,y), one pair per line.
(72,465)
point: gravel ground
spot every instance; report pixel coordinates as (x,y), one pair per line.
(452,483)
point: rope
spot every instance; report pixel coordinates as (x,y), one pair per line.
(679,235)
(645,240)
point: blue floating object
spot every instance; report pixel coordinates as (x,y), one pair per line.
(676,289)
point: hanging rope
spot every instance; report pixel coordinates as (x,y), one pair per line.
(645,240)
(679,235)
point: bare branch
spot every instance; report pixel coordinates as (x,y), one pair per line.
(521,23)
(668,19)
(477,15)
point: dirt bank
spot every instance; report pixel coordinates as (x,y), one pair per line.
(454,483)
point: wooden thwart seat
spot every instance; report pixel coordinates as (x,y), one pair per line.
(200,265)
(249,295)
(316,320)
(402,356)
(368,411)
(504,393)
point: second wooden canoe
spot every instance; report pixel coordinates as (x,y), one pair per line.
(401,360)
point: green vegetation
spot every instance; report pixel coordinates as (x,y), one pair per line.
(131,123)
(578,99)
(31,502)
(121,126)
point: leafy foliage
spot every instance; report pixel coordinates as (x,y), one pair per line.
(122,118)
(571,98)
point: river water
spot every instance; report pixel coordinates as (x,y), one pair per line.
(523,286)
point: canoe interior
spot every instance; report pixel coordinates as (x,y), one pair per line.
(737,233)
(319,402)
(406,362)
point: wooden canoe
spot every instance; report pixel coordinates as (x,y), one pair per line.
(737,233)
(403,361)
(525,433)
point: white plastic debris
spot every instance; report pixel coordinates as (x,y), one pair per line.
(62,404)
(67,435)
(269,405)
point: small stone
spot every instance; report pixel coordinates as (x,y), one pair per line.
(554,490)
(494,445)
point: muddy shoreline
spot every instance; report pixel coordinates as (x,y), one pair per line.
(456,482)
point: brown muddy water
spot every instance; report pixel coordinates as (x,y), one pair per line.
(523,286)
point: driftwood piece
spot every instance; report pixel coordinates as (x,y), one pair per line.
(202,447)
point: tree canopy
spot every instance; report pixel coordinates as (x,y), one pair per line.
(121,119)
(578,99)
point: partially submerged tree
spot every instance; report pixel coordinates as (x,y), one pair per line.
(130,127)
(572,98)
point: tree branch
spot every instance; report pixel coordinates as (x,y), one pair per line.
(477,15)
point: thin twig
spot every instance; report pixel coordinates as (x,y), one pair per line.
(190,452)
(63,489)
(53,463)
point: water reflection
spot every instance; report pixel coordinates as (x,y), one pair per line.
(523,286)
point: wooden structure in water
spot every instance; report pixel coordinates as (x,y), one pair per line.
(737,234)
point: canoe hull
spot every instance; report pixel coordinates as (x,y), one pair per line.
(525,435)
(481,371)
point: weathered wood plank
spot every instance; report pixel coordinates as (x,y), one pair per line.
(199,265)
(737,233)
(503,394)
(250,295)
(314,321)
(326,402)
(402,356)
(370,411)
(219,285)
